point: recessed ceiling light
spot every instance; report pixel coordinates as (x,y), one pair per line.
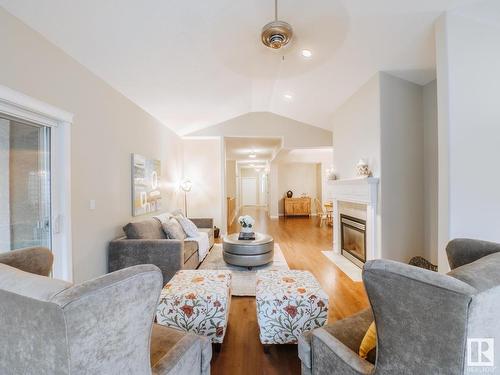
(288,96)
(306,53)
(252,156)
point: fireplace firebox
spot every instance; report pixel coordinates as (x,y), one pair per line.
(353,239)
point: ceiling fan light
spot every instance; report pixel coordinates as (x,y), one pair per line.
(276,41)
(276,34)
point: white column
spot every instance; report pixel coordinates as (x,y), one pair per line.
(336,227)
(273,193)
(4,185)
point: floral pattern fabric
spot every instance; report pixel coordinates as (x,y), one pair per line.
(288,303)
(197,301)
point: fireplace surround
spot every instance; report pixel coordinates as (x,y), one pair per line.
(363,194)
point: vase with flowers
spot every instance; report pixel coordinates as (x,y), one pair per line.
(247,222)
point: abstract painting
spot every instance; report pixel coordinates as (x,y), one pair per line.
(146,194)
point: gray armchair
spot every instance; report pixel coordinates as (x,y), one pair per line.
(423,318)
(102,326)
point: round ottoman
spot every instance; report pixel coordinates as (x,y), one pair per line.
(248,253)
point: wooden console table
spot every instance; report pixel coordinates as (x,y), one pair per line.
(298,206)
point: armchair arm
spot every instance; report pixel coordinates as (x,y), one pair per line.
(330,356)
(349,331)
(37,260)
(109,321)
(421,318)
(190,353)
(167,255)
(204,222)
(463,251)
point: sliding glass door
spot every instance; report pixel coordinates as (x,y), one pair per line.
(25,204)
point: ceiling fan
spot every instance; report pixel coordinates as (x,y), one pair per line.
(276,34)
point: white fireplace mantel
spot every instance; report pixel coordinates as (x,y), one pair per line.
(363,191)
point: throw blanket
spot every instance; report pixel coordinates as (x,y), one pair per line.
(203,244)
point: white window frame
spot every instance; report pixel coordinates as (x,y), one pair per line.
(21,106)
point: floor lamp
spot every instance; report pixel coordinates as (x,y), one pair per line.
(186,186)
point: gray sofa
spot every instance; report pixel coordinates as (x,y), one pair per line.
(148,244)
(103,326)
(423,318)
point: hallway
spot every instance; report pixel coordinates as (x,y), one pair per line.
(301,240)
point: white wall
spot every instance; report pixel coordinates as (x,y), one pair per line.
(468,60)
(274,192)
(4,186)
(107,128)
(266,124)
(203,164)
(402,168)
(301,178)
(383,122)
(431,171)
(356,131)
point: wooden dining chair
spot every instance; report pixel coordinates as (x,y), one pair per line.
(320,211)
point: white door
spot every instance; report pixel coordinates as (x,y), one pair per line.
(25,219)
(249,191)
(35,192)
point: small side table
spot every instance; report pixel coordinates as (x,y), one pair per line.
(248,253)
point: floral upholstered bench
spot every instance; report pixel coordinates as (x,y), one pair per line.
(288,303)
(197,301)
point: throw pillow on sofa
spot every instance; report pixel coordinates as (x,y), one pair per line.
(178,212)
(149,229)
(188,226)
(173,230)
(163,218)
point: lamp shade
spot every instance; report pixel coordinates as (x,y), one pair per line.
(186,185)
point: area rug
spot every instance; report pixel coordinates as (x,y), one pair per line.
(243,280)
(345,265)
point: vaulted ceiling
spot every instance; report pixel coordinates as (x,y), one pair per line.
(193,63)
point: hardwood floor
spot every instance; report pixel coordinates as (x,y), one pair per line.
(301,241)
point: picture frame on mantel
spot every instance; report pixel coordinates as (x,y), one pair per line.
(146,193)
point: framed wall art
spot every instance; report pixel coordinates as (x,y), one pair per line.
(146,193)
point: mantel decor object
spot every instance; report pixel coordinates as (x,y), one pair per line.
(363,169)
(289,194)
(330,174)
